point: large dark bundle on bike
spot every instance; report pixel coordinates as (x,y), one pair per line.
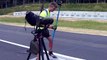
(31,18)
(34,19)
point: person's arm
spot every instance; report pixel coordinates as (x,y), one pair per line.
(52,27)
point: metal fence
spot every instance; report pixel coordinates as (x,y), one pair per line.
(71,14)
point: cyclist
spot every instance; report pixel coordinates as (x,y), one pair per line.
(46,14)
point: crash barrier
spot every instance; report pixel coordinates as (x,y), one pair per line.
(72,14)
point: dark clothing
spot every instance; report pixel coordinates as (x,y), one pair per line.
(45,33)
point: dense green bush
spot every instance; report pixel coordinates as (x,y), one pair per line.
(85,7)
(69,7)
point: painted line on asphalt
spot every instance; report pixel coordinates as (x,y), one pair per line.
(24,46)
(16,44)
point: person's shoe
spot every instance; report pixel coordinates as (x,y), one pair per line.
(51,54)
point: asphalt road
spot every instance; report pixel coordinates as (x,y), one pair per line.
(89,47)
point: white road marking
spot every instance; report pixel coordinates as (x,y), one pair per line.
(52,58)
(60,56)
(16,44)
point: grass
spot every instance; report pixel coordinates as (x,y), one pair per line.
(84,24)
(85,7)
(65,7)
(71,24)
(12,20)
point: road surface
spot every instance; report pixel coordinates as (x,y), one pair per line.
(84,46)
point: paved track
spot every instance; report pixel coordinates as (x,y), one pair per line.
(89,47)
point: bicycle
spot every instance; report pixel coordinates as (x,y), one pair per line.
(37,45)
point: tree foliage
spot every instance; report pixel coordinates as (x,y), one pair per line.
(9,3)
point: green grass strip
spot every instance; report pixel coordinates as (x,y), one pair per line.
(85,24)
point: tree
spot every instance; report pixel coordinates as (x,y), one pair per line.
(24,2)
(33,1)
(14,2)
(97,1)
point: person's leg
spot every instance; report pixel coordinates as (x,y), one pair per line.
(49,38)
(37,56)
(50,43)
(50,47)
(46,34)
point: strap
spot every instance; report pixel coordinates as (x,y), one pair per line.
(46,12)
(25,25)
(42,7)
